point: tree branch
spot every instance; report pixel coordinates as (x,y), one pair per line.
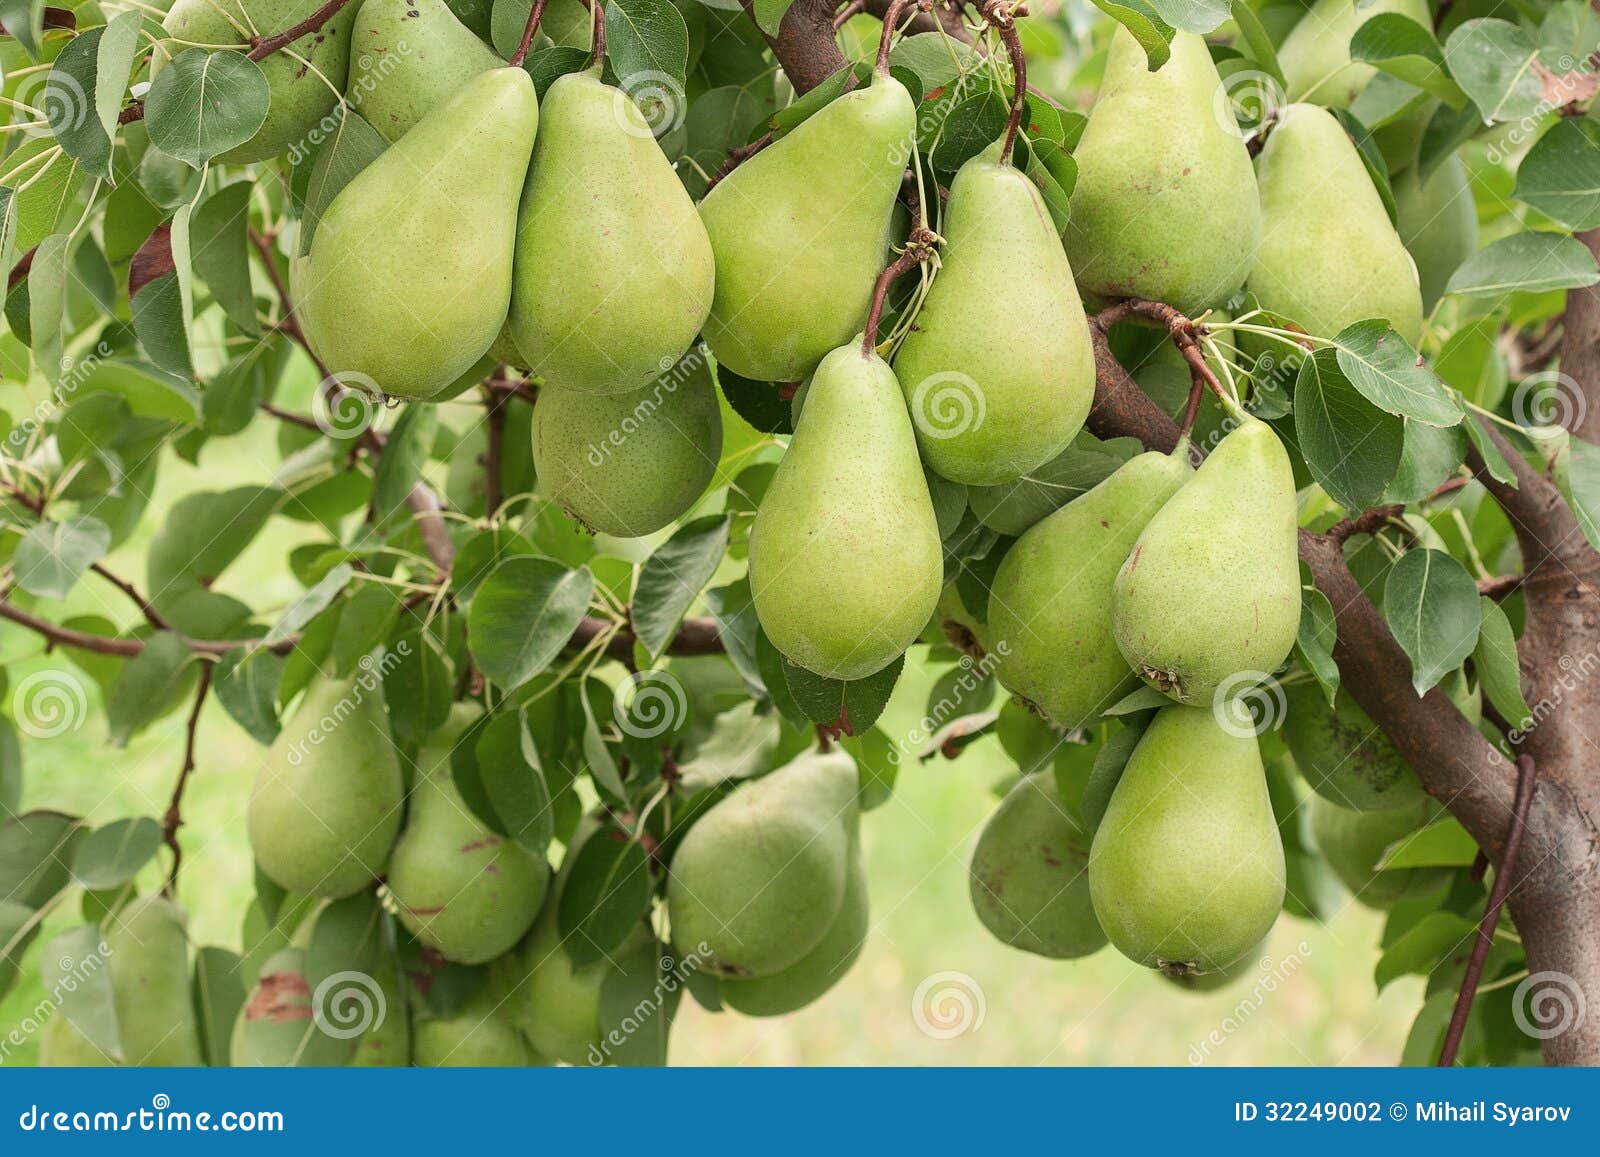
(174,817)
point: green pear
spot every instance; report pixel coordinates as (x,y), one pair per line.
(147,954)
(1186,870)
(303,81)
(817,971)
(1315,56)
(326,807)
(387,1042)
(998,370)
(800,232)
(477,1035)
(1222,978)
(1165,207)
(613,270)
(1050,602)
(760,878)
(1328,255)
(1344,755)
(278,1027)
(407,57)
(459,887)
(628,464)
(409,275)
(1029,877)
(1438,221)
(845,559)
(1354,842)
(1209,598)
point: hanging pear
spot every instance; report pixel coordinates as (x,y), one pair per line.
(477,1035)
(613,269)
(326,807)
(845,560)
(1186,870)
(998,370)
(1209,598)
(628,464)
(1165,207)
(409,275)
(280,1026)
(759,880)
(1029,877)
(1328,255)
(1354,843)
(302,84)
(1050,602)
(801,230)
(1315,56)
(1437,220)
(407,57)
(387,1042)
(460,888)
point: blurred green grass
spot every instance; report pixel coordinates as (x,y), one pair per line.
(1315,1005)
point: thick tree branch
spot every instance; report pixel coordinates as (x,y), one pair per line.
(1580,352)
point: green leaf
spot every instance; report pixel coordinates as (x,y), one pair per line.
(1258,41)
(220,248)
(1148,27)
(1495,660)
(596,755)
(523,614)
(512,778)
(1391,376)
(1109,764)
(1560,176)
(1403,48)
(972,126)
(672,578)
(52,187)
(52,556)
(205,103)
(117,50)
(10,770)
(1578,474)
(218,993)
(853,706)
(24,21)
(1435,939)
(69,100)
(36,849)
(1351,447)
(638,1000)
(246,684)
(417,684)
(150,392)
(1199,16)
(877,766)
(309,605)
(733,609)
(606,894)
(47,290)
(1314,643)
(149,686)
(1493,61)
(1431,605)
(352,146)
(113,855)
(1525,263)
(1499,467)
(1444,844)
(347,936)
(78,969)
(203,534)
(647,45)
(403,457)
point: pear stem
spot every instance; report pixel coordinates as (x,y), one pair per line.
(528,29)
(1002,16)
(891,19)
(265,48)
(1185,335)
(919,247)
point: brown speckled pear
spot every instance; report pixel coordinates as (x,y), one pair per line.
(407,57)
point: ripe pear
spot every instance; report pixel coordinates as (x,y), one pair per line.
(148,958)
(1328,255)
(1165,207)
(460,888)
(759,880)
(1186,870)
(1315,56)
(1213,981)
(407,57)
(1354,842)
(845,560)
(800,232)
(477,1035)
(409,276)
(303,84)
(1209,598)
(818,970)
(1050,603)
(1438,221)
(613,270)
(628,464)
(326,807)
(1029,877)
(998,371)
(278,1025)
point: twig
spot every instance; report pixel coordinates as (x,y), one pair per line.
(126,648)
(495,421)
(528,30)
(1526,775)
(1367,522)
(265,48)
(919,247)
(1001,15)
(151,615)
(1185,335)
(849,10)
(891,19)
(1501,586)
(174,816)
(737,156)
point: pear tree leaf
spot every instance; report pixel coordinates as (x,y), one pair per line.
(45,189)
(36,850)
(638,1000)
(877,766)
(1444,844)
(1525,263)
(112,856)
(852,706)
(606,894)
(149,686)
(523,614)
(24,22)
(1403,48)
(10,770)
(1499,467)
(77,967)
(1109,763)
(116,51)
(218,993)
(19,926)
(219,252)
(972,126)
(1495,660)
(69,101)
(733,608)
(150,391)
(309,605)
(246,684)
(52,556)
(515,783)
(1498,65)
(596,755)
(1432,942)
(743,742)
(672,578)
(1351,447)
(647,46)
(1258,41)
(1198,16)
(204,103)
(1391,376)
(417,683)
(1148,26)
(1560,176)
(346,936)
(158,320)
(1578,475)
(1447,130)
(1314,643)
(47,293)
(1431,605)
